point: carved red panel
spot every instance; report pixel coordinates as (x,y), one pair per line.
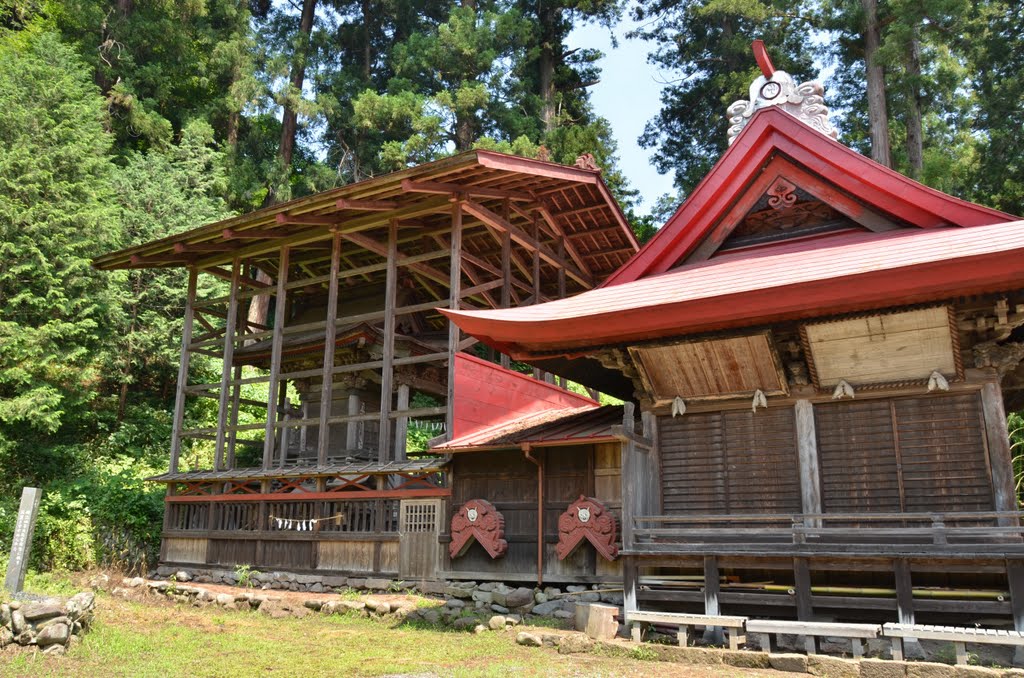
(478,519)
(587,519)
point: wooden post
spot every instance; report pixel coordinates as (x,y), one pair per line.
(387,374)
(1015,579)
(280,299)
(454,292)
(331,333)
(236,400)
(628,477)
(561,269)
(537,374)
(402,423)
(629,601)
(178,420)
(807,450)
(712,634)
(282,404)
(506,279)
(229,355)
(352,427)
(802,587)
(1003,486)
(905,606)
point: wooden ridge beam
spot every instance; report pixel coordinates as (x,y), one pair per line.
(489,217)
(442,188)
(368,205)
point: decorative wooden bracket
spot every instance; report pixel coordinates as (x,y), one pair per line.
(478,519)
(586,518)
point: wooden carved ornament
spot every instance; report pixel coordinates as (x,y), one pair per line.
(587,518)
(478,519)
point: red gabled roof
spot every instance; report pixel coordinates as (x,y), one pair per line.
(773,134)
(798,279)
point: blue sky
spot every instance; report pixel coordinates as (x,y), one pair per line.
(628,96)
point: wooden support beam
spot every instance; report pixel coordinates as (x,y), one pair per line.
(804,609)
(454,294)
(574,254)
(203,248)
(252,234)
(368,205)
(1000,457)
(402,423)
(488,217)
(229,276)
(178,418)
(712,585)
(442,188)
(276,350)
(506,277)
(807,452)
(327,374)
(236,401)
(1015,581)
(387,374)
(561,271)
(352,428)
(305,220)
(229,354)
(905,606)
(381,249)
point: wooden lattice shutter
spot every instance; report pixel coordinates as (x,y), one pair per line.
(856,457)
(730,462)
(944,463)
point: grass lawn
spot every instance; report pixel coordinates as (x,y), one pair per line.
(157,638)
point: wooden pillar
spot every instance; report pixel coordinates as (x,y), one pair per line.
(282,408)
(905,606)
(1003,486)
(804,608)
(277,342)
(628,475)
(178,420)
(231,322)
(402,423)
(352,428)
(236,401)
(537,374)
(387,374)
(1015,579)
(561,269)
(807,451)
(330,335)
(712,634)
(629,601)
(506,278)
(454,292)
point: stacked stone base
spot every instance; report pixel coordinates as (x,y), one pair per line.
(51,625)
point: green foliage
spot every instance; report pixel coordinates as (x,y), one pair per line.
(245,574)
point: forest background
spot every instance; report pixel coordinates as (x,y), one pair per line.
(130,120)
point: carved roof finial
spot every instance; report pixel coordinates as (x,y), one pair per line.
(805,102)
(587,162)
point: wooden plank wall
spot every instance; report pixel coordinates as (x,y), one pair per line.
(509,481)
(185,550)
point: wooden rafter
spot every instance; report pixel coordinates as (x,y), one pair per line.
(368,205)
(489,217)
(442,188)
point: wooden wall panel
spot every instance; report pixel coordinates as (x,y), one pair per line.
(288,555)
(905,454)
(858,468)
(730,462)
(185,550)
(231,552)
(346,556)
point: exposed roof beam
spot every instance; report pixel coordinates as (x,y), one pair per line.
(203,248)
(226,275)
(305,220)
(442,188)
(369,205)
(574,254)
(489,217)
(251,234)
(380,248)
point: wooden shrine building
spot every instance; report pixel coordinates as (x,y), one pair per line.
(823,352)
(325,308)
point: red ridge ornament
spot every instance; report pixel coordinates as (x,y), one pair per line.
(478,519)
(587,518)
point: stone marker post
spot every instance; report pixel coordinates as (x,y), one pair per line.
(22,543)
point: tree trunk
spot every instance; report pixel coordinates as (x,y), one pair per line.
(878,116)
(915,135)
(548,16)
(289,121)
(367,18)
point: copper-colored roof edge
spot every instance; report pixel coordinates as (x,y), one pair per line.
(326,198)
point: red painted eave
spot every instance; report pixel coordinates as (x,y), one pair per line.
(850,272)
(773,132)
